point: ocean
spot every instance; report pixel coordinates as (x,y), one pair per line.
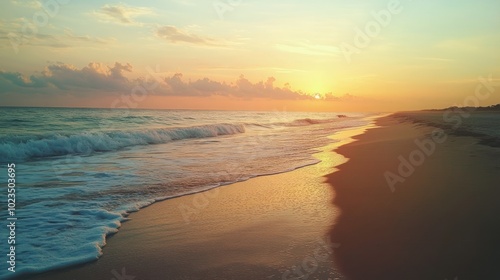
(80,172)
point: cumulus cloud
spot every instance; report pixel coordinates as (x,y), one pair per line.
(242,88)
(9,80)
(64,77)
(121,14)
(101,79)
(176,35)
(93,76)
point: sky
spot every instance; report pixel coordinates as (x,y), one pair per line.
(336,55)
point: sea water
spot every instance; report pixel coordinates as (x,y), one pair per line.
(79,172)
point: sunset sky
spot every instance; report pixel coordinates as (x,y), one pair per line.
(336,55)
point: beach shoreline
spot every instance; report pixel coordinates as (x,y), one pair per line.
(266,227)
(432,225)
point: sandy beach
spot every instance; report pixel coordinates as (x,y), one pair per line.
(440,223)
(437,224)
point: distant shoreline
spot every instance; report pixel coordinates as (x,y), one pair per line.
(492,108)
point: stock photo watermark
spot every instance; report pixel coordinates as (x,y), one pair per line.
(31,28)
(11,218)
(140,92)
(199,202)
(363,37)
(122,275)
(310,264)
(426,147)
(221,7)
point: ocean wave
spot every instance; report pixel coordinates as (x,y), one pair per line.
(307,121)
(36,146)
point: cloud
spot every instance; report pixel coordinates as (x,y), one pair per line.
(98,79)
(242,88)
(176,35)
(13,79)
(33,4)
(66,40)
(65,78)
(11,34)
(121,14)
(71,37)
(94,76)
(344,98)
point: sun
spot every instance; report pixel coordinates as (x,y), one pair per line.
(317,96)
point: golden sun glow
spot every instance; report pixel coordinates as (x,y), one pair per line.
(248,57)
